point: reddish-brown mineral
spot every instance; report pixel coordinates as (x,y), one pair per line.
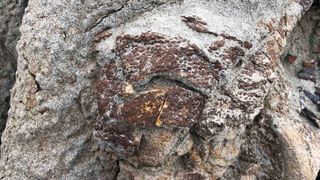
(152,83)
(151,54)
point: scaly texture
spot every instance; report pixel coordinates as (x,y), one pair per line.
(166,89)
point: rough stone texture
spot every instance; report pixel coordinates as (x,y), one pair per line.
(10,20)
(166,89)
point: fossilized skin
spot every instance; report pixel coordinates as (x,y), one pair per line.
(166,89)
(229,112)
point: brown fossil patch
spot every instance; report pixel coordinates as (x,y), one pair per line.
(119,136)
(174,106)
(151,54)
(143,109)
(154,82)
(233,53)
(182,107)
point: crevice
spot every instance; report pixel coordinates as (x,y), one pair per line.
(117,170)
(258,117)
(100,19)
(302,30)
(36,82)
(168,80)
(78,102)
(32,75)
(311,117)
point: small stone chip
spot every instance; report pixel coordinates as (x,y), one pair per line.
(128,90)
(310,64)
(102,35)
(197,24)
(247,45)
(158,121)
(217,45)
(291,59)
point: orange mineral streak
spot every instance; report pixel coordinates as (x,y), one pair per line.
(158,121)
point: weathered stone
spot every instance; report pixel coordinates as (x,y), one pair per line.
(317,91)
(314,98)
(309,64)
(162,107)
(291,59)
(197,24)
(258,158)
(161,147)
(311,116)
(152,54)
(102,35)
(247,45)
(234,52)
(11,13)
(307,74)
(132,90)
(193,176)
(148,103)
(216,45)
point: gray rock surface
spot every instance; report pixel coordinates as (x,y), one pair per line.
(11,13)
(166,89)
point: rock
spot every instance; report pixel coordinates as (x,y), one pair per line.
(307,75)
(311,116)
(163,89)
(217,45)
(314,98)
(317,91)
(309,64)
(308,71)
(10,20)
(197,24)
(291,59)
